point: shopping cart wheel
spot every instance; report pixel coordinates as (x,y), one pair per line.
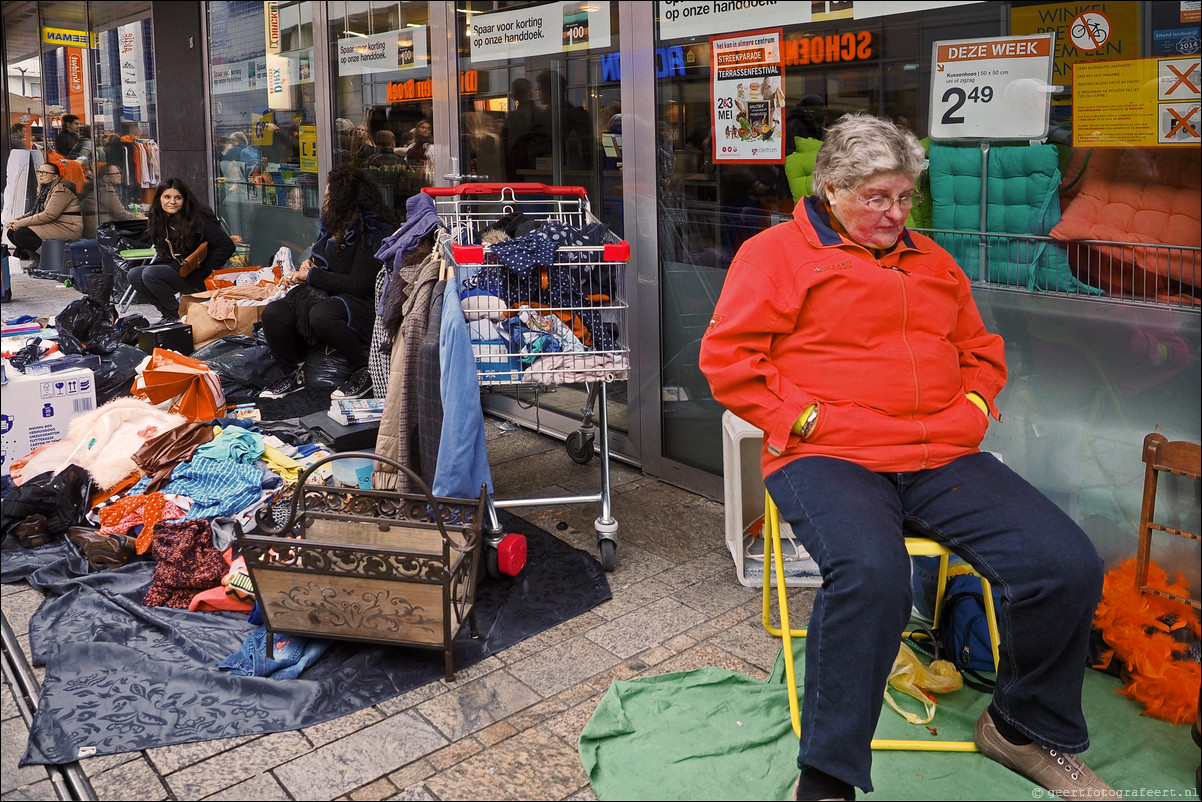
(609,549)
(506,558)
(580,446)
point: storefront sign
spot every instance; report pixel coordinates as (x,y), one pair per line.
(748,98)
(423,88)
(1141,103)
(829,49)
(540,30)
(237,76)
(77,82)
(308,148)
(283,72)
(133,72)
(1083,31)
(994,88)
(66,36)
(383,52)
(679,19)
(272,29)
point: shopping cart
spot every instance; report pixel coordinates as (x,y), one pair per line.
(546,305)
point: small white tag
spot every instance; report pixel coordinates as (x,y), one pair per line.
(86,751)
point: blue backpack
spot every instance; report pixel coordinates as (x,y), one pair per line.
(963,628)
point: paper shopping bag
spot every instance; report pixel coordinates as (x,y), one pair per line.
(192,387)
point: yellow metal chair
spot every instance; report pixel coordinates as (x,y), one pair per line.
(916,547)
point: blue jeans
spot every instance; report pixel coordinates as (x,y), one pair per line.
(851,521)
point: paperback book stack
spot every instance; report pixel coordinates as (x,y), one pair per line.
(349,411)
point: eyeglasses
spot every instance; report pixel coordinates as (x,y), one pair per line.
(882,204)
(47,172)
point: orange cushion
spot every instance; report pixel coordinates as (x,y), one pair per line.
(1136,195)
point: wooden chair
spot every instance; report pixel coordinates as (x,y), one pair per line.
(1178,457)
(915,547)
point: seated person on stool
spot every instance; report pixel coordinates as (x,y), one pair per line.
(56,215)
(179,224)
(855,344)
(332,293)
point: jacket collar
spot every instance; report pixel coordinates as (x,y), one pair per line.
(813,218)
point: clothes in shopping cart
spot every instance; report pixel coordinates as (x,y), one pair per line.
(517,280)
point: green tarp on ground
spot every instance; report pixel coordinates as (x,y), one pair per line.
(717,734)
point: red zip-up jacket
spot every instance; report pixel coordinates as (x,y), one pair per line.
(887,346)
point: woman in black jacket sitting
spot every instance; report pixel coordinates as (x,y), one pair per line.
(332,295)
(189,245)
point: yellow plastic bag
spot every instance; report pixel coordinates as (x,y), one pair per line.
(913,678)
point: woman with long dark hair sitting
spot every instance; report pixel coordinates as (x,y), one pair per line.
(332,292)
(189,245)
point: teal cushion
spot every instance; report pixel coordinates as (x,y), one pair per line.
(1022,199)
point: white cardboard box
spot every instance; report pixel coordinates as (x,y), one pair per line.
(36,410)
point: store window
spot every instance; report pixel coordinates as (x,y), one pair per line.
(834,61)
(383,99)
(122,172)
(539,103)
(264,124)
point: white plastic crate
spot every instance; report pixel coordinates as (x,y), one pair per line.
(744,486)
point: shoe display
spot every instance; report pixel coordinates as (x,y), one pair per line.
(101,550)
(289,384)
(1062,774)
(32,532)
(357,386)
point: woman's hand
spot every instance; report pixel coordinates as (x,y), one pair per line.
(298,276)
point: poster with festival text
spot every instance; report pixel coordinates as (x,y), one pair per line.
(748,98)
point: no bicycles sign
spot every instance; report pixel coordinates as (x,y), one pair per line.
(996,88)
(1089,31)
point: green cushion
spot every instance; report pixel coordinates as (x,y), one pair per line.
(799,166)
(1022,199)
(138,253)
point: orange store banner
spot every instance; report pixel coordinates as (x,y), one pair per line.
(77,81)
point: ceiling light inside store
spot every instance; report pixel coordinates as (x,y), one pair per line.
(591,7)
(355,33)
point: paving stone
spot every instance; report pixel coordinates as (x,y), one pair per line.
(563,665)
(332,730)
(535,764)
(41,790)
(241,763)
(646,627)
(135,779)
(15,732)
(259,787)
(474,705)
(380,789)
(340,767)
(170,759)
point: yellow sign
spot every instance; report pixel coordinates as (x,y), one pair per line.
(68,37)
(1109,31)
(308,148)
(1144,102)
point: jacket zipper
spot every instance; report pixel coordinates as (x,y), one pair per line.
(905,307)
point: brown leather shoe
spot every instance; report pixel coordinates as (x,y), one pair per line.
(101,550)
(32,531)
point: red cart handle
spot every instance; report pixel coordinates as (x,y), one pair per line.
(497,189)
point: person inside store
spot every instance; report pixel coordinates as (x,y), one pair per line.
(421,138)
(362,146)
(16,137)
(519,129)
(575,126)
(56,214)
(189,245)
(385,149)
(109,203)
(873,423)
(68,141)
(330,296)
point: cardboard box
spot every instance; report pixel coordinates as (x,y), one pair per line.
(38,409)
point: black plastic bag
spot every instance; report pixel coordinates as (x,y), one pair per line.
(79,317)
(115,375)
(243,364)
(114,237)
(325,367)
(129,326)
(103,338)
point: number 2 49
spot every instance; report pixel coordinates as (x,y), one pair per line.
(982,94)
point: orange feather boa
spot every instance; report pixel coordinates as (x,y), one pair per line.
(1133,624)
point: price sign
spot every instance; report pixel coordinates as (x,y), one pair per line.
(997,88)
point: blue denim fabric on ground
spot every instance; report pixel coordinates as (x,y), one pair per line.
(851,520)
(291,656)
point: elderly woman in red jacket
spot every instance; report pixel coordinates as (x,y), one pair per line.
(856,346)
(56,214)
